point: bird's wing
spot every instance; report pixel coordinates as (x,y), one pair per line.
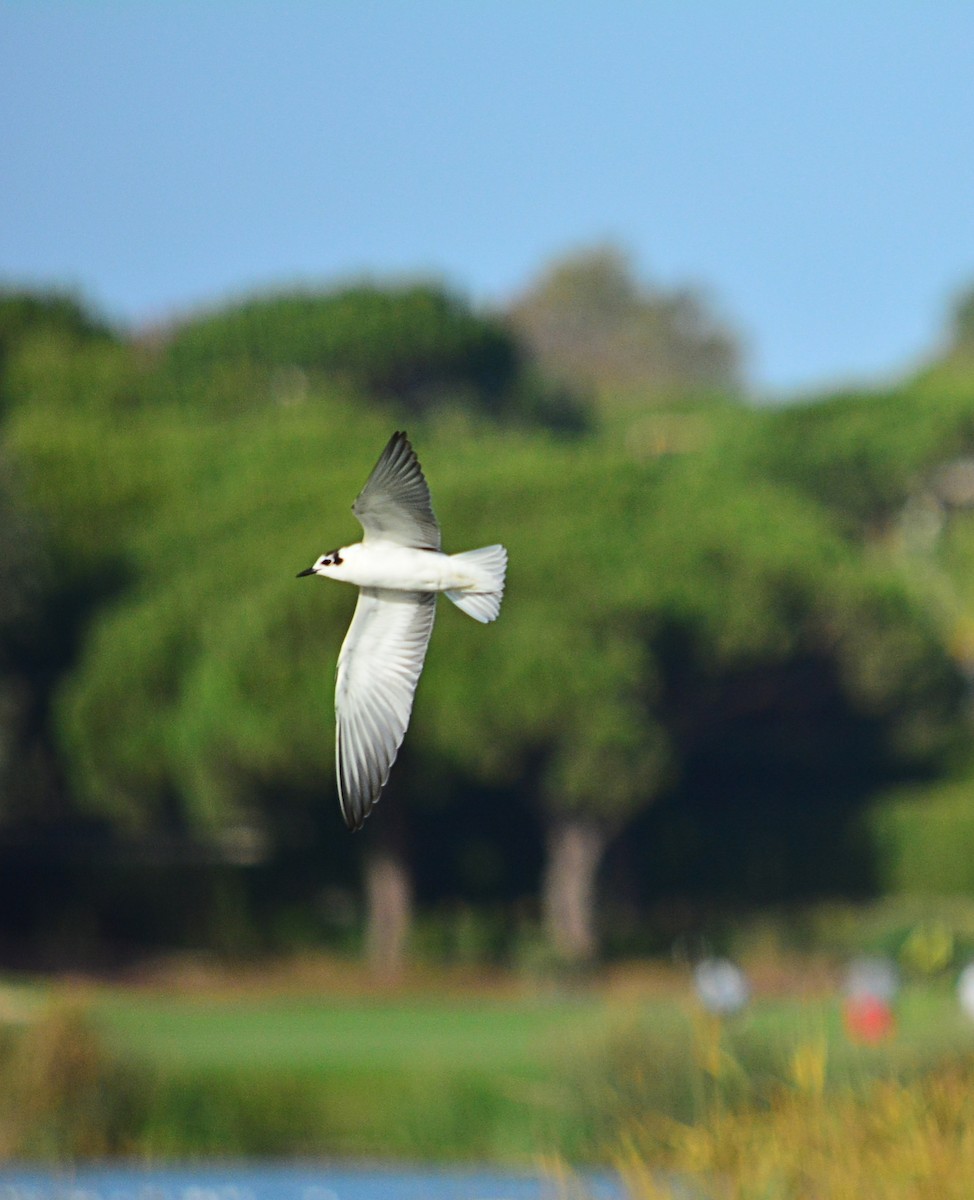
(378,669)
(395,503)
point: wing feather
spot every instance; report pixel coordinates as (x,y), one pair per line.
(378,668)
(395,503)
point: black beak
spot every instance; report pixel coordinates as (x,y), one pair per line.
(310,571)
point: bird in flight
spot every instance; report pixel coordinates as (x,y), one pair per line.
(399,568)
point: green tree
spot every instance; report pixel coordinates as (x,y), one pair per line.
(57,317)
(38,603)
(418,346)
(577,698)
(14,586)
(226,664)
(961,332)
(862,456)
(193,690)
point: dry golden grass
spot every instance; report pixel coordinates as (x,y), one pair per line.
(885,1141)
(62,1094)
(306,974)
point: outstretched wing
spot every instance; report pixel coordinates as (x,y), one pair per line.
(395,503)
(378,669)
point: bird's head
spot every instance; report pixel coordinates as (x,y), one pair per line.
(320,566)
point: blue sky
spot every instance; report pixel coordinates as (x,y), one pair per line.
(809,165)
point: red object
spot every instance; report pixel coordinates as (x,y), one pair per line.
(868,1019)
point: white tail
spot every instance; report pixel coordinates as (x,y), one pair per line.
(482,599)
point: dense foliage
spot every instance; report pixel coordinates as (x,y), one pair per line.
(723,636)
(418,346)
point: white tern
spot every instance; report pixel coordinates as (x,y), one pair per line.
(398,567)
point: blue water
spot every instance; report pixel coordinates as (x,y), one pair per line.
(290,1182)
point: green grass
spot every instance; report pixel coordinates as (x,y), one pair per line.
(319,1038)
(438,1077)
(419,1078)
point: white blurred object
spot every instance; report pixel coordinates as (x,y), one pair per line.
(722,987)
(965,990)
(876,978)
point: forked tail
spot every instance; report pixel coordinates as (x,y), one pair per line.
(482,599)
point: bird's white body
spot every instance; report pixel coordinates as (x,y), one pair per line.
(384,564)
(398,567)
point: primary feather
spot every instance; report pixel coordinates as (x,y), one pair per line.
(395,504)
(378,668)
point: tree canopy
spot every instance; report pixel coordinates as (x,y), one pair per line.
(417,346)
(717,609)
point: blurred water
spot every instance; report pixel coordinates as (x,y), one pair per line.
(291,1182)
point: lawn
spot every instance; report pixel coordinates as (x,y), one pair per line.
(527,1036)
(324,1037)
(437,1074)
(427,1077)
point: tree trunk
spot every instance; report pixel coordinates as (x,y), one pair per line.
(388,896)
(574,846)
